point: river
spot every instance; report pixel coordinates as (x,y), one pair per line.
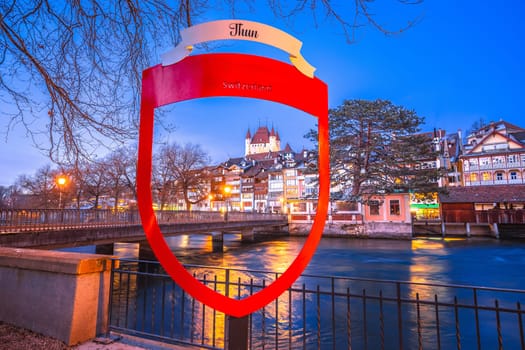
(474,261)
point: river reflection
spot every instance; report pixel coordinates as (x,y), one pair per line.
(481,262)
(362,313)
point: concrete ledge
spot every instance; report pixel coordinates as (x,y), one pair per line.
(58,294)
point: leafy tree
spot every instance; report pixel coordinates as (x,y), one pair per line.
(376,148)
(82,60)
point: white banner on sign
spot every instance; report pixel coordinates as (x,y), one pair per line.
(239,30)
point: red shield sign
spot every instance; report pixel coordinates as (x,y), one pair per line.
(229,75)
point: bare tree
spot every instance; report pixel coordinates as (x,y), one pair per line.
(127,161)
(77,64)
(182,170)
(6,194)
(40,190)
(95,181)
(120,173)
(163,178)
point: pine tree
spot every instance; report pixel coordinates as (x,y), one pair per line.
(376,148)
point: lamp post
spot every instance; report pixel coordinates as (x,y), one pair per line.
(210,201)
(227,191)
(61,182)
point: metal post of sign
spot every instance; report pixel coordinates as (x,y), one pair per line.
(236,333)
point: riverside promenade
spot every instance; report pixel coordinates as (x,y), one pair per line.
(12,337)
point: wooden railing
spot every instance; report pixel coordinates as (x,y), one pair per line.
(507,216)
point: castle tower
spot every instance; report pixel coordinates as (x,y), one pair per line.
(247,142)
(274,141)
(263,141)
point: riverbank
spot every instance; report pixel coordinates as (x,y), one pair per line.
(12,337)
(16,338)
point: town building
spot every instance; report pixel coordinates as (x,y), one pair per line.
(263,141)
(494,155)
(483,175)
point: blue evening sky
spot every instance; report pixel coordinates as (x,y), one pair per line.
(462,62)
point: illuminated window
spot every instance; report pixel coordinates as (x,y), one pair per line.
(374,207)
(474,177)
(395,207)
(486,176)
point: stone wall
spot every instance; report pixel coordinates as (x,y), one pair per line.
(395,230)
(58,294)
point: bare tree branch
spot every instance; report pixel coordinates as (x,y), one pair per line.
(75,67)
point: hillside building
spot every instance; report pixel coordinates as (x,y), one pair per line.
(263,141)
(494,155)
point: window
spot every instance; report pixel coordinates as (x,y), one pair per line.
(513,175)
(347,206)
(474,177)
(394,207)
(499,176)
(486,176)
(275,186)
(498,160)
(513,158)
(374,207)
(484,161)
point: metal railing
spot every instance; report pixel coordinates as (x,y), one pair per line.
(23,220)
(318,312)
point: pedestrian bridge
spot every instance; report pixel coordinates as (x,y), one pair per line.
(45,228)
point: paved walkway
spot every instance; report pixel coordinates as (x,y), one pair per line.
(126,342)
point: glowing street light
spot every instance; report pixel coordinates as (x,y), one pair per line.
(61,182)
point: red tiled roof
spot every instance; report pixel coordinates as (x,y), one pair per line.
(287,149)
(262,135)
(484,194)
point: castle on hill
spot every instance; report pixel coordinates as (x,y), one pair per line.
(263,141)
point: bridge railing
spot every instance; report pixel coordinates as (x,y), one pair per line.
(23,220)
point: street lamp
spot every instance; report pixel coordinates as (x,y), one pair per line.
(61,182)
(227,191)
(210,201)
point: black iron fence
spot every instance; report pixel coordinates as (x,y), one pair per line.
(23,220)
(318,312)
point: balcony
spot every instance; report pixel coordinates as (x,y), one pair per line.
(516,181)
(495,182)
(499,165)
